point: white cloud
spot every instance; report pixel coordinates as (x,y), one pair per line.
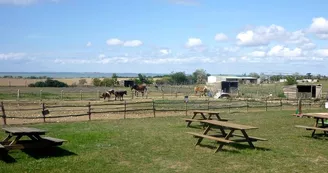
(322,36)
(129,43)
(281,51)
(114,42)
(132,43)
(297,37)
(221,37)
(230,49)
(165,51)
(319,27)
(321,52)
(260,36)
(257,54)
(89,44)
(308,46)
(194,42)
(9,56)
(101,56)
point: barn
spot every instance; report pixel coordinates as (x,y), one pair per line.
(303,91)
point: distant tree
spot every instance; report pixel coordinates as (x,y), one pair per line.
(114,77)
(82,81)
(253,74)
(49,83)
(290,80)
(107,82)
(308,75)
(200,76)
(96,82)
(179,78)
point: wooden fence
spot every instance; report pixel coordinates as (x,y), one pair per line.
(44,110)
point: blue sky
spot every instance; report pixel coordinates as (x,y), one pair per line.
(163,36)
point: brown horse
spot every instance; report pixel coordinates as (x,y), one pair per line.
(107,94)
(139,88)
(200,89)
(120,94)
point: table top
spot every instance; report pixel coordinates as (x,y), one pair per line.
(23,130)
(205,111)
(229,125)
(316,115)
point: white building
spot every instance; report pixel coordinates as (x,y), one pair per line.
(242,79)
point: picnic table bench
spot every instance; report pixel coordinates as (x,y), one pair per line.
(225,137)
(319,119)
(204,115)
(34,141)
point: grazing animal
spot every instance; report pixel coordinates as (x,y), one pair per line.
(139,88)
(119,94)
(107,94)
(201,90)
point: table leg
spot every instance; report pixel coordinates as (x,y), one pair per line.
(204,133)
(315,125)
(7,138)
(226,137)
(247,138)
(15,140)
(33,137)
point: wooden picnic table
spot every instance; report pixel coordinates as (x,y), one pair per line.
(34,139)
(319,122)
(224,137)
(204,115)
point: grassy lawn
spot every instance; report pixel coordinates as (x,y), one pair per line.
(161,145)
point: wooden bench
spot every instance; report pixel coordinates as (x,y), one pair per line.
(312,128)
(221,140)
(251,137)
(54,140)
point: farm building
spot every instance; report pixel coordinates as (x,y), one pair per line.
(128,83)
(303,91)
(224,86)
(240,79)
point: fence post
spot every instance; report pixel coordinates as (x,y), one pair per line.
(98,94)
(247,105)
(280,103)
(163,95)
(18,94)
(3,114)
(89,110)
(229,105)
(43,112)
(41,95)
(186,108)
(80,94)
(154,111)
(208,104)
(124,109)
(266,104)
(61,94)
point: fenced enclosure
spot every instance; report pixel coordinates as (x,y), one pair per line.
(27,112)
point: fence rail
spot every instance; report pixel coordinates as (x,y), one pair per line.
(44,110)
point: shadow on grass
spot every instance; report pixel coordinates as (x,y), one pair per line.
(317,137)
(48,152)
(237,146)
(7,158)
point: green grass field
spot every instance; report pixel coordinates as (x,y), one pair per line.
(161,145)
